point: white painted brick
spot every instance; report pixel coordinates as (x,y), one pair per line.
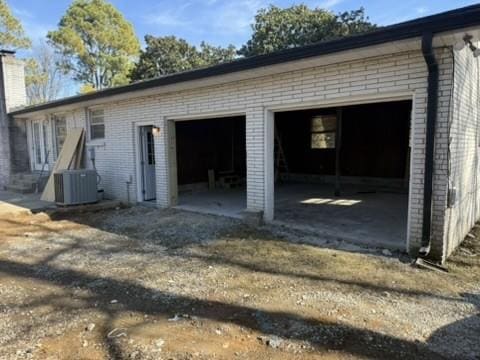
(13,83)
(385,74)
(463,148)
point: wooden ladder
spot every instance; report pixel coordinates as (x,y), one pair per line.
(281,164)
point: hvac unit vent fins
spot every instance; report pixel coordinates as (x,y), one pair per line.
(75,187)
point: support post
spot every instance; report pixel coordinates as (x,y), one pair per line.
(166,164)
(269,171)
(338,147)
(172,163)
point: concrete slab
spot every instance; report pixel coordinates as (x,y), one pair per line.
(223,202)
(15,203)
(375,217)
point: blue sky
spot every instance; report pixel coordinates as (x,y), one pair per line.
(219,22)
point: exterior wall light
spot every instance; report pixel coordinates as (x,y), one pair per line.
(155,130)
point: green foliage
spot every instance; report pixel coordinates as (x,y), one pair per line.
(86,89)
(277,29)
(211,55)
(12,35)
(97,44)
(167,55)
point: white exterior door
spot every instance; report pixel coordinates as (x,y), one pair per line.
(39,145)
(147,147)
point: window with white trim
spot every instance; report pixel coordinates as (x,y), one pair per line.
(60,132)
(323,131)
(97,124)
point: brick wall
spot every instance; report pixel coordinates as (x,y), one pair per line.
(464,149)
(11,136)
(401,73)
(19,155)
(14,75)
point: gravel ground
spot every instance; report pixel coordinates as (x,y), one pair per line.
(142,283)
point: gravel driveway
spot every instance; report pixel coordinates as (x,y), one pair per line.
(142,283)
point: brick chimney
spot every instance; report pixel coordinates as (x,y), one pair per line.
(12,95)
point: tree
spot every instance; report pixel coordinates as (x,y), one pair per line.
(97,44)
(45,81)
(167,55)
(277,29)
(12,35)
(85,89)
(211,55)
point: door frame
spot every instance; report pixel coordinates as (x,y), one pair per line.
(43,142)
(138,159)
(170,138)
(268,138)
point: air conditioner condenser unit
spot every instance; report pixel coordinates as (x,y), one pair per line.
(75,187)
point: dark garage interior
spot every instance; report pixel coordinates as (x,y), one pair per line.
(345,171)
(211,165)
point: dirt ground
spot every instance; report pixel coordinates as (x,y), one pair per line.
(142,283)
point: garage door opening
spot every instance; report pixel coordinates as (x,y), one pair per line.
(211,165)
(345,171)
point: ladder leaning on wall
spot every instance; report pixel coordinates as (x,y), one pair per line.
(281,165)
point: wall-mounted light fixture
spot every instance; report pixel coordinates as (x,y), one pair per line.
(155,130)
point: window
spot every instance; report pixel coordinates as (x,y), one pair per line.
(37,142)
(60,126)
(150,149)
(323,130)
(45,149)
(97,124)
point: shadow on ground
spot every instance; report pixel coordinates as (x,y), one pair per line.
(135,297)
(148,301)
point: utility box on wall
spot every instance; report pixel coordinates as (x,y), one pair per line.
(75,187)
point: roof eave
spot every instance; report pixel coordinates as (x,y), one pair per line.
(448,21)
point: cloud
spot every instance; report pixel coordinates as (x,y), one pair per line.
(35,30)
(221,18)
(165,19)
(21,13)
(235,17)
(328,4)
(421,10)
(169,16)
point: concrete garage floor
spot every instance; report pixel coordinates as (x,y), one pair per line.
(375,218)
(223,202)
(360,215)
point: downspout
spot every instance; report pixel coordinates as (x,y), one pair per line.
(432,104)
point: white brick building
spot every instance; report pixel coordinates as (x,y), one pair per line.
(367,83)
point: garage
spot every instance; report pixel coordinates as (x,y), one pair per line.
(211,165)
(344,171)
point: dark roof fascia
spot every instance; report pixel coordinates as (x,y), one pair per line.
(447,21)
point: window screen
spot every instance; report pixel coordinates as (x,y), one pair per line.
(97,124)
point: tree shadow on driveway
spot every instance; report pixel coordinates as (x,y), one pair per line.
(134,297)
(463,334)
(99,247)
